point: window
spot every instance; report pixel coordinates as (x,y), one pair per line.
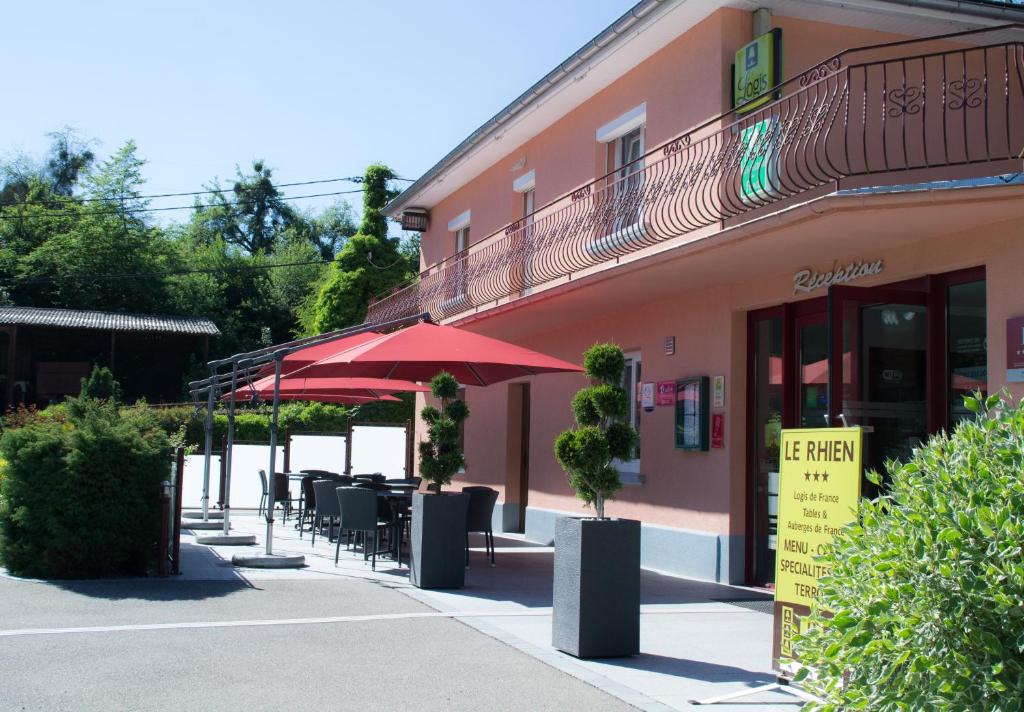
(623,192)
(457,288)
(522,275)
(631,380)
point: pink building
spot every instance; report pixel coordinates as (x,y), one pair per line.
(843,247)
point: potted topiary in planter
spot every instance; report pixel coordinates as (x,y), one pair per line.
(438,538)
(596,595)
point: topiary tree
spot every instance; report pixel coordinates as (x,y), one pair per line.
(602,434)
(440,456)
(927,588)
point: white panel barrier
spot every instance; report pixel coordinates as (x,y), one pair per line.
(378,448)
(375,448)
(318,452)
(245,481)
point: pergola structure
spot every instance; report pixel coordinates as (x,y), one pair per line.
(228,373)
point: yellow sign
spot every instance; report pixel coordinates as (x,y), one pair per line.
(758,68)
(819,485)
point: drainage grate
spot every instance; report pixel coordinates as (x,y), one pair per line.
(761,605)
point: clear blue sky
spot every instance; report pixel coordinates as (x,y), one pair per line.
(318,89)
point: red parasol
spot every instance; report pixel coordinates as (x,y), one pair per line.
(419,352)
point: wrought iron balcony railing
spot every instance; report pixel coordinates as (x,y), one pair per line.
(905,112)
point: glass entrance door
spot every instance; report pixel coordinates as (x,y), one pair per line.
(878,369)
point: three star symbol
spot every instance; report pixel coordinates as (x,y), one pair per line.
(818,476)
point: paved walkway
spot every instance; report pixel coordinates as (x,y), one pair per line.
(698,639)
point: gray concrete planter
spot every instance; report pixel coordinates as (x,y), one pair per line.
(438,542)
(596,596)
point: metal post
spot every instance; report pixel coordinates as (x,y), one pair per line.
(179,466)
(165,528)
(207,451)
(221,471)
(348,446)
(278,358)
(229,449)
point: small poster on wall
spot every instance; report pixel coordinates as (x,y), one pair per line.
(717,431)
(647,396)
(666,392)
(718,392)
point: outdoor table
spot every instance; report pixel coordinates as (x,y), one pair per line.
(297,477)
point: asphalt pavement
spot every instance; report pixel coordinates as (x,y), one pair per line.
(342,644)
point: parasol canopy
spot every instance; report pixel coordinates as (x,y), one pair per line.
(421,351)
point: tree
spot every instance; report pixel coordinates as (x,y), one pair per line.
(440,455)
(602,434)
(97,255)
(369,264)
(70,157)
(255,213)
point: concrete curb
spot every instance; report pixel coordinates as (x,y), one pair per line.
(202,526)
(199,515)
(272,561)
(227,539)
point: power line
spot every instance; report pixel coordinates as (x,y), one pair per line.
(131,211)
(213,191)
(166,273)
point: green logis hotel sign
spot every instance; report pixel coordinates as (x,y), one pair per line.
(758,68)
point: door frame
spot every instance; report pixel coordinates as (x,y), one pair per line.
(931,290)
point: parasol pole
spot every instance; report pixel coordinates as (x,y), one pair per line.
(207,449)
(278,358)
(230,448)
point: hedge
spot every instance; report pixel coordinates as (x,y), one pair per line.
(299,417)
(79,496)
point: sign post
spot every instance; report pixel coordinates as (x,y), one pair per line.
(819,486)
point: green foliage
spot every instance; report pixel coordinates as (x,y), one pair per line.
(605,363)
(81,498)
(368,265)
(440,455)
(586,452)
(101,384)
(927,588)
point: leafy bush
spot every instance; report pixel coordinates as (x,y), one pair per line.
(587,451)
(440,455)
(80,498)
(928,587)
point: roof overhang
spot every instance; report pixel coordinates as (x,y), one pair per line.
(642,31)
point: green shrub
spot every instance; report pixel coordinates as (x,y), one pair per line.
(440,455)
(587,451)
(928,586)
(81,498)
(253,424)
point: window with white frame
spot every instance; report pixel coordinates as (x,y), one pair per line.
(631,380)
(458,286)
(624,151)
(524,186)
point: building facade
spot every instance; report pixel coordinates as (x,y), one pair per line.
(788,213)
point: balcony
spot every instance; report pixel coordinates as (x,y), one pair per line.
(943,108)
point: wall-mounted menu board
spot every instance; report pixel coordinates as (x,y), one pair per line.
(692,413)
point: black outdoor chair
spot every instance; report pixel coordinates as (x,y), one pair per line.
(326,508)
(307,504)
(282,493)
(263,497)
(478,517)
(320,474)
(358,507)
